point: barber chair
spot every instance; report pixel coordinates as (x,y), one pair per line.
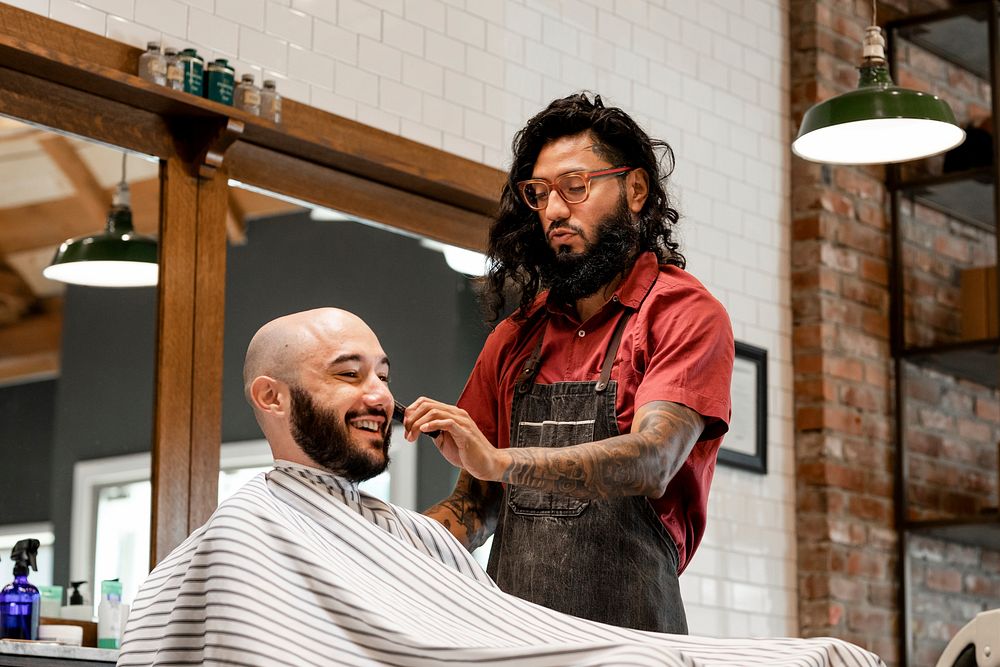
(976,645)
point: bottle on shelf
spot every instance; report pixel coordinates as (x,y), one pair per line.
(153,64)
(270,102)
(219,79)
(175,69)
(193,67)
(247,95)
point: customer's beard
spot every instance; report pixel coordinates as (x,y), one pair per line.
(324,437)
(572,276)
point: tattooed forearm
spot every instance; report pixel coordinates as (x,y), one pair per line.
(471,511)
(638,464)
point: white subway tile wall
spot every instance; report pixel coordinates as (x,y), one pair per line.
(289,24)
(170,16)
(123,8)
(710,77)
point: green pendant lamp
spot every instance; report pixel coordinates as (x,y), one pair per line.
(117,257)
(878,123)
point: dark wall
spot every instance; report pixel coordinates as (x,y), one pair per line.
(424,313)
(104,400)
(26,412)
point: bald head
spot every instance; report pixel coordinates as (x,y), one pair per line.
(283,346)
(318,385)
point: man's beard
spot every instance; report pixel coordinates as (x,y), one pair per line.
(572,276)
(324,437)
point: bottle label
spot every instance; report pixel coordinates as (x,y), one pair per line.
(153,68)
(270,107)
(219,87)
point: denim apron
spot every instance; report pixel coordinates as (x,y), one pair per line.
(608,560)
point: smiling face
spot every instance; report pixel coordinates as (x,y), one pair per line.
(341,403)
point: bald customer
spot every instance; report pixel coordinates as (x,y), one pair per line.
(318,383)
(300,567)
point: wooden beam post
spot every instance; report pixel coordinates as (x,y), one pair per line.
(206,381)
(172,435)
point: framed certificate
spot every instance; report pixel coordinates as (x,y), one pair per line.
(745,445)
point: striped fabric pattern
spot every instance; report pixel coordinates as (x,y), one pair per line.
(300,568)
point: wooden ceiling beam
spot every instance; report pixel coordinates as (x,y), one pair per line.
(28,367)
(92,198)
(15,297)
(37,335)
(30,348)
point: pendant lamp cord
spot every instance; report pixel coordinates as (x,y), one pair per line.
(124,157)
(874,13)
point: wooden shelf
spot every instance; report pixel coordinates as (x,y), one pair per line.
(977,531)
(977,361)
(305,132)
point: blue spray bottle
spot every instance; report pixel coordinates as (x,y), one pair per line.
(20,602)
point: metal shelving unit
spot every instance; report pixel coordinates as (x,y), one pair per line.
(965,35)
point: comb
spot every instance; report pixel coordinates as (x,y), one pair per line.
(397,413)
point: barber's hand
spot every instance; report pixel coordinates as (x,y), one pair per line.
(461,442)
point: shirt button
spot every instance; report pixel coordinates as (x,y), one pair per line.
(581,333)
(615,298)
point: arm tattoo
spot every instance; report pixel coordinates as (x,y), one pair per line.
(470,512)
(640,463)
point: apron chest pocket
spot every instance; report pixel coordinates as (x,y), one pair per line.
(526,501)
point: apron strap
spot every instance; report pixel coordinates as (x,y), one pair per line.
(530,370)
(612,352)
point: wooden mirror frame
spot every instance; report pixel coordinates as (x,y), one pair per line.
(72,80)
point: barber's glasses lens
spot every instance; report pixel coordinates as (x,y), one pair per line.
(535,194)
(573,188)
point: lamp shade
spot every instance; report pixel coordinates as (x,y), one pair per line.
(116,257)
(877,124)
(106,260)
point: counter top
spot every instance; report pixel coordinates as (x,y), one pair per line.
(49,652)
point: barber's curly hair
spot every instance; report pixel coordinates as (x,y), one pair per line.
(517,246)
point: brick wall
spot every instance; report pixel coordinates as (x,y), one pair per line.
(841,359)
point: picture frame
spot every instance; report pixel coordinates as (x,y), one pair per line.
(745,445)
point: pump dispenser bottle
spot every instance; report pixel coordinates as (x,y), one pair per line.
(20,602)
(77,609)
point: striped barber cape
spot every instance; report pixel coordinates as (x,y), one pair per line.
(300,568)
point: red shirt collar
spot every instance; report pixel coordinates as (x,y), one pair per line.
(631,292)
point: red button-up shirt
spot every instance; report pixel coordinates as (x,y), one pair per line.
(678,347)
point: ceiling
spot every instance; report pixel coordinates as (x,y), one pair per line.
(54,187)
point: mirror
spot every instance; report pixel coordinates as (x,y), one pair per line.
(76,363)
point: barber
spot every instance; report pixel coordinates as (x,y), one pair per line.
(588,431)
